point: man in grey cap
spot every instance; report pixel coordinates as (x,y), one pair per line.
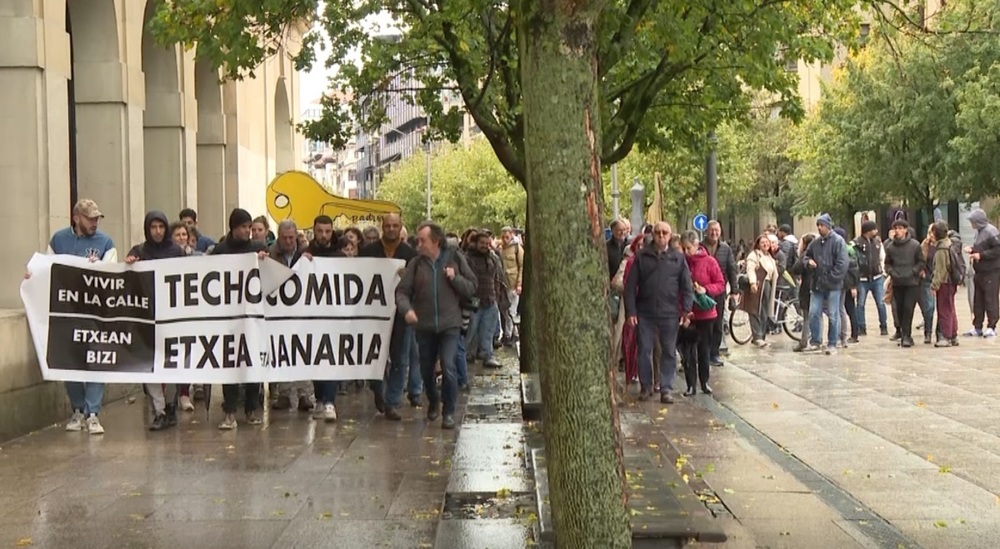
(826,256)
(985,256)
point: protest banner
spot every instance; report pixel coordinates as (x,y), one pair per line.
(211,319)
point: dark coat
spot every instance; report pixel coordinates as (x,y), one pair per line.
(904,262)
(426,290)
(830,254)
(727,262)
(659,285)
(377,249)
(232,246)
(156,250)
(616,252)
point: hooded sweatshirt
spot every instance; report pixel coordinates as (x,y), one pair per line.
(151,249)
(986,243)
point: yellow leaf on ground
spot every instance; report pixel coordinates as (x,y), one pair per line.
(24,542)
(729,490)
(774,405)
(944,469)
(940,524)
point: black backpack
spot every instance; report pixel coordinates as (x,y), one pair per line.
(956,274)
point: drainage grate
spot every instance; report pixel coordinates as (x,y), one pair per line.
(488,505)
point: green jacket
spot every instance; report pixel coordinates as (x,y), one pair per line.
(942,264)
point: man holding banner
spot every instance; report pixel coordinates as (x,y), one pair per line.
(237,241)
(82,239)
(158,246)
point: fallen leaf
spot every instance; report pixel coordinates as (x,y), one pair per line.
(930,458)
(729,490)
(134,494)
(920,404)
(136,516)
(210,459)
(433,474)
(653,446)
(774,405)
(944,469)
(940,524)
(326,515)
(503,493)
(786,533)
(278,513)
(24,542)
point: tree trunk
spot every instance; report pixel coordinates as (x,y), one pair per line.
(526,332)
(569,279)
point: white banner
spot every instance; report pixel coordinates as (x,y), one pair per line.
(210,319)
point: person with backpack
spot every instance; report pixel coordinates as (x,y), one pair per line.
(947,274)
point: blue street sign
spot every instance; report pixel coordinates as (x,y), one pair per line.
(701,222)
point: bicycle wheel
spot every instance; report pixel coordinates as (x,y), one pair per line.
(791,319)
(739,326)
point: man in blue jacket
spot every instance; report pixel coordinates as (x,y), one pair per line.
(82,239)
(826,257)
(658,295)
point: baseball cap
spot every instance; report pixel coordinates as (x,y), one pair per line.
(87,208)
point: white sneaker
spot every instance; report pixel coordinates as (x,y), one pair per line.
(186,404)
(75,423)
(229,423)
(329,413)
(989,332)
(94,425)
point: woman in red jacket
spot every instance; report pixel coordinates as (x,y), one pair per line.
(707,278)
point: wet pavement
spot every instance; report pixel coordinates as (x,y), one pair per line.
(360,482)
(877,446)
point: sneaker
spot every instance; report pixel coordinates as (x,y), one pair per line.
(666,398)
(317,412)
(75,423)
(329,413)
(229,423)
(94,425)
(927,339)
(862,332)
(199,393)
(853,340)
(393,414)
(883,331)
(830,351)
(159,423)
(973,333)
(379,402)
(953,342)
(171,415)
(282,403)
(433,412)
(942,343)
(989,332)
(813,348)
(491,363)
(253,418)
(896,336)
(186,404)
(448,422)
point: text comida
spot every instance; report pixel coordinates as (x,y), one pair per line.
(238,287)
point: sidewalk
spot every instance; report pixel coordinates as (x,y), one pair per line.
(360,482)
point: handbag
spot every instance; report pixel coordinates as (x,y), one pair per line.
(703,302)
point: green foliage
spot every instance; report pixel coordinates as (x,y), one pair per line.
(668,72)
(756,168)
(469,188)
(911,119)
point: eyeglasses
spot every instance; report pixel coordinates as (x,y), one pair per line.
(661,232)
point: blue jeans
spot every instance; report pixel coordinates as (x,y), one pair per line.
(928,303)
(415,388)
(482,328)
(461,363)
(830,301)
(666,329)
(439,346)
(877,289)
(85,397)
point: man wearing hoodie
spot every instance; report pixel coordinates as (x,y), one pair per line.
(826,257)
(158,245)
(904,263)
(430,297)
(985,256)
(237,241)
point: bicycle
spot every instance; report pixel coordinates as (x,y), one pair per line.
(788,318)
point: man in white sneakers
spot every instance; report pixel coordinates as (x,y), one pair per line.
(82,239)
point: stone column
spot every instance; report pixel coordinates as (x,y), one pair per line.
(34,158)
(212,208)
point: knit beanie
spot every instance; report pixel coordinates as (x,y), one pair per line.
(825,220)
(239,217)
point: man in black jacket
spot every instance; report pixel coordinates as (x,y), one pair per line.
(616,246)
(391,245)
(985,256)
(659,296)
(870,257)
(904,263)
(158,245)
(237,241)
(723,255)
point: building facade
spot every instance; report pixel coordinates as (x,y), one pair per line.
(92,107)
